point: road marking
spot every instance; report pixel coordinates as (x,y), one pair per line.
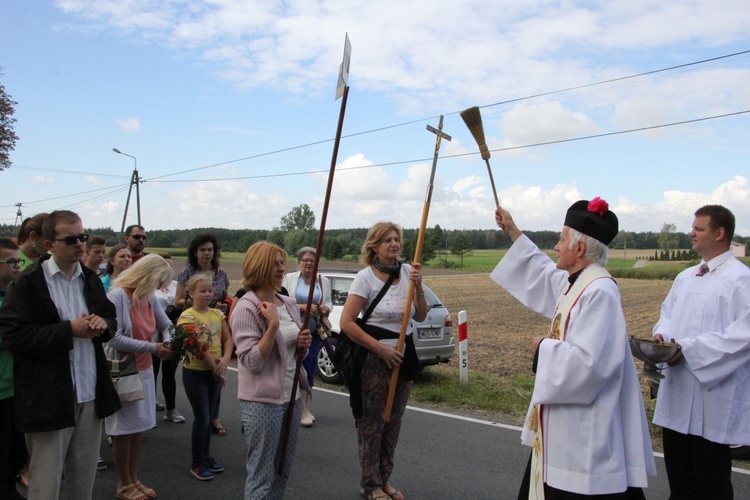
(477,420)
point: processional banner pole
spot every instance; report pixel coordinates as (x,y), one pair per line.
(342,90)
(417,259)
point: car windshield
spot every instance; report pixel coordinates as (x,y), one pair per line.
(432,300)
(340,289)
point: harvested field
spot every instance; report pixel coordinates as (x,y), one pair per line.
(501,329)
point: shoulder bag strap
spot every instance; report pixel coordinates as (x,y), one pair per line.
(380,295)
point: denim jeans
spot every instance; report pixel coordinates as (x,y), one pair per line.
(202,391)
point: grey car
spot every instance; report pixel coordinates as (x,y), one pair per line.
(433,337)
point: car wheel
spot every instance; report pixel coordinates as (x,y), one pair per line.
(326,369)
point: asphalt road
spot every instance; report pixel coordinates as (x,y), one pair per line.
(438,457)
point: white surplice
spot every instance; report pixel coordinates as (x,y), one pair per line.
(595,427)
(708,394)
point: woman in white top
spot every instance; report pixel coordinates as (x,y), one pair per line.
(377,440)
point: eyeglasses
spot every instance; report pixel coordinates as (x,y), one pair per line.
(13,262)
(307,261)
(71,240)
(138,236)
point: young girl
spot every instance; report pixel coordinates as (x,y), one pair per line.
(204,378)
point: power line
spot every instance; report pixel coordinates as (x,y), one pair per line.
(446,157)
(517,99)
(78,172)
(117,189)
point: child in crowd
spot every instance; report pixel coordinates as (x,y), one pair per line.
(204,378)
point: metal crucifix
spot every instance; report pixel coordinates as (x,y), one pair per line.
(417,258)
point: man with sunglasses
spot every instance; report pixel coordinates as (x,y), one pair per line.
(12,448)
(135,239)
(54,319)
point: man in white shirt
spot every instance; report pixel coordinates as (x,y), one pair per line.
(54,320)
(703,403)
(587,424)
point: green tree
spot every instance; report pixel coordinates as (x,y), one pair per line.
(8,135)
(300,217)
(668,239)
(460,246)
(432,242)
(333,248)
(294,240)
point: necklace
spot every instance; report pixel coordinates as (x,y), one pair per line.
(386,268)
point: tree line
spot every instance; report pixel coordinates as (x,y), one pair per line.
(346,243)
(297,229)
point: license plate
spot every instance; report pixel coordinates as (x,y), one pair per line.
(430,333)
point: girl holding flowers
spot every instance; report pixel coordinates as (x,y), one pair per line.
(206,349)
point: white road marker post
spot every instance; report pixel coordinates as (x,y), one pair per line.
(463,346)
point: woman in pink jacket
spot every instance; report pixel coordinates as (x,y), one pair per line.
(268,333)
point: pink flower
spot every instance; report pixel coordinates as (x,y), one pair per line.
(598,205)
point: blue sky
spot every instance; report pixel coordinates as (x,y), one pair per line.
(215,98)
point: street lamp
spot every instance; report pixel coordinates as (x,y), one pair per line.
(134,179)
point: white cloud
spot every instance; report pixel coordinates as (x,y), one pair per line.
(109,207)
(465,183)
(515,48)
(131,124)
(542,123)
(43,180)
(93,180)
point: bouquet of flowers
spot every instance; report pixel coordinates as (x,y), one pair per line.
(190,341)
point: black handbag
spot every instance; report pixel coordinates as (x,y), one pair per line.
(349,356)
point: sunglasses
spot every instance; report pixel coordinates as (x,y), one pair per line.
(138,236)
(71,240)
(13,262)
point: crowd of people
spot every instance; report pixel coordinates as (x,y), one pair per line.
(67,307)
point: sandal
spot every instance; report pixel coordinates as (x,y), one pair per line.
(129,492)
(218,429)
(371,495)
(395,494)
(149,492)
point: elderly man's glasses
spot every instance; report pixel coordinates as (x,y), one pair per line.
(71,240)
(13,262)
(138,236)
(307,261)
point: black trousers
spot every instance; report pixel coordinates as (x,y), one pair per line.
(551,493)
(697,469)
(168,383)
(13,452)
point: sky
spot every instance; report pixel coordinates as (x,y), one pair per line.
(227,110)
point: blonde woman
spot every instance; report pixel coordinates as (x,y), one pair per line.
(138,316)
(266,328)
(369,389)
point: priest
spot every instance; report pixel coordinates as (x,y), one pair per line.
(586,423)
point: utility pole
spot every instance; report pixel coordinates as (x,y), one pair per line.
(134,180)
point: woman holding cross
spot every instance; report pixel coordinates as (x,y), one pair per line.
(379,335)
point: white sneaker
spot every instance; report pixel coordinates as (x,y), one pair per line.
(174,416)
